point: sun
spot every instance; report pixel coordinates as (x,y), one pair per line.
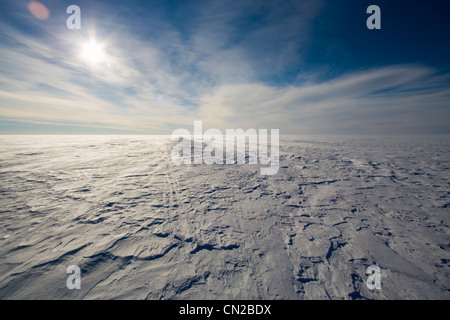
(93,52)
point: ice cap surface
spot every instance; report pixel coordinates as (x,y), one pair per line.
(140,227)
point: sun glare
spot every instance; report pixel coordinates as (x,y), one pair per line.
(93,52)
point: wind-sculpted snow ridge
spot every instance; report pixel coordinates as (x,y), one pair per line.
(140,227)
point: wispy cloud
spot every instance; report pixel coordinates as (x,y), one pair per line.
(216,66)
(396,99)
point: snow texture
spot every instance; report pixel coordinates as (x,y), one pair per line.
(140,227)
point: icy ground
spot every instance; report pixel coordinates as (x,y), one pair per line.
(140,227)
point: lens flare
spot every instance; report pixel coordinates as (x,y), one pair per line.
(38,10)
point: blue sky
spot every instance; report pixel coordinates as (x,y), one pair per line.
(304,67)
